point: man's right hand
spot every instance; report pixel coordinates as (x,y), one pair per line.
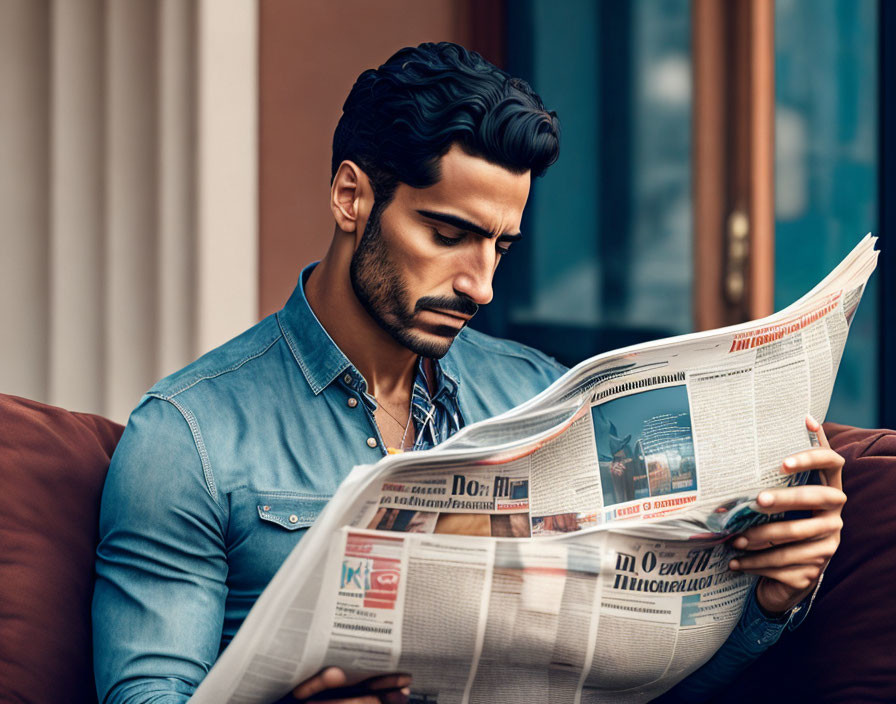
(332,685)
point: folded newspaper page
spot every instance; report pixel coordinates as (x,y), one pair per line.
(570,550)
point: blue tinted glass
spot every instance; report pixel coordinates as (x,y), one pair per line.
(608,229)
(826,168)
(661,224)
(563,212)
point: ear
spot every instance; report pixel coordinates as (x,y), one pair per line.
(351,197)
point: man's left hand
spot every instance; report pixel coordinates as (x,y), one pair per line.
(790,556)
(333,686)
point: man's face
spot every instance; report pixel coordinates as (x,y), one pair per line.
(425,263)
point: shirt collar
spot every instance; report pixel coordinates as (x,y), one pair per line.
(321,360)
(445,381)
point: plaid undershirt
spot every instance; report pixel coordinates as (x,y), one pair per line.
(436,417)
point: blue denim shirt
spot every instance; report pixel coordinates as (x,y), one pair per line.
(225,464)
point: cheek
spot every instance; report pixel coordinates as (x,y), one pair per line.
(426,268)
(424,277)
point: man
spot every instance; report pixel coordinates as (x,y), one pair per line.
(224,464)
(620,468)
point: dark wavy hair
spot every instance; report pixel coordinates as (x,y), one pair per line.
(401,118)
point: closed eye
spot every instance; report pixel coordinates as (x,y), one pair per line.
(504,242)
(445,240)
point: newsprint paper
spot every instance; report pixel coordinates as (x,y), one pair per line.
(570,550)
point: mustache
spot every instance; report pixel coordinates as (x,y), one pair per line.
(456,304)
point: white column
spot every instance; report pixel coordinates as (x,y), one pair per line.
(76,341)
(176,293)
(227,132)
(23,197)
(131,214)
(128,192)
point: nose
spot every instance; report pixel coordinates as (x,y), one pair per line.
(474,281)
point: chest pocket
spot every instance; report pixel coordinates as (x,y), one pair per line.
(290,512)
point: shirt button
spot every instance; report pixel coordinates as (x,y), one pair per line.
(371,442)
(352,402)
(293,518)
(347,378)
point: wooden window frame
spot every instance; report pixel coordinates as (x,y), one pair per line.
(733,160)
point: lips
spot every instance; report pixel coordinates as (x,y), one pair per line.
(456,316)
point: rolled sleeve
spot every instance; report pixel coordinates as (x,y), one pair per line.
(158,604)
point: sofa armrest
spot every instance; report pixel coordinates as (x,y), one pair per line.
(52,467)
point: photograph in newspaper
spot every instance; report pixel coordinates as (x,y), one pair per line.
(404,521)
(458,502)
(645,445)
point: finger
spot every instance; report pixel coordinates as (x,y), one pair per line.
(810,497)
(397,680)
(831,477)
(815,458)
(784,532)
(816,427)
(396,697)
(359,694)
(815,552)
(328,678)
(795,577)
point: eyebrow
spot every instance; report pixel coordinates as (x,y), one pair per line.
(464,224)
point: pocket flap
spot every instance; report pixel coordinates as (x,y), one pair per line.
(289,512)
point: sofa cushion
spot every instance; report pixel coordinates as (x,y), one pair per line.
(845,651)
(52,466)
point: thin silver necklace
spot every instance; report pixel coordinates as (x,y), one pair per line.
(405,425)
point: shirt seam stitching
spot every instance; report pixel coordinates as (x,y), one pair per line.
(200,448)
(291,495)
(212,375)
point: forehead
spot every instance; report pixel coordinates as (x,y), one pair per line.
(473,188)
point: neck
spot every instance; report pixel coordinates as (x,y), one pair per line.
(387,366)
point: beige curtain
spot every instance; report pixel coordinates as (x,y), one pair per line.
(128,192)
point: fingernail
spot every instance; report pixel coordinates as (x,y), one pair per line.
(396,697)
(812,422)
(401,681)
(765,499)
(740,543)
(790,463)
(734,565)
(406,691)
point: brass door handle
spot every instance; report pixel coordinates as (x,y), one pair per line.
(738,256)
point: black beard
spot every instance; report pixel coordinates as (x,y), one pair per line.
(380,289)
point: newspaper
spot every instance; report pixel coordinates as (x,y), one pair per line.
(570,550)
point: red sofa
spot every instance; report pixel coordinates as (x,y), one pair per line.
(53,463)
